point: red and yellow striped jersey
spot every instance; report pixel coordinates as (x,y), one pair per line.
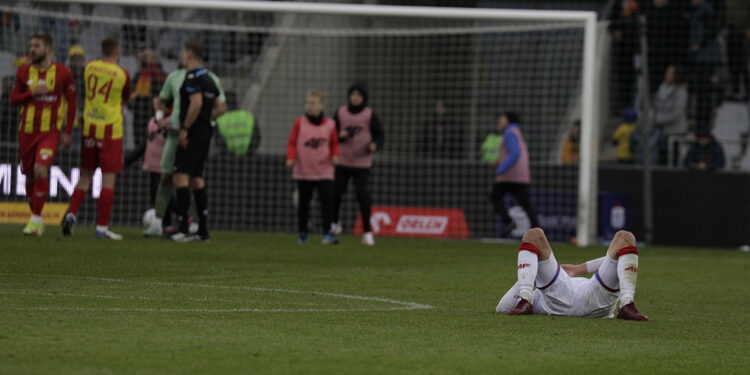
(107,90)
(44,113)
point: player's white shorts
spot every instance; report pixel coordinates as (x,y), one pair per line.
(569,296)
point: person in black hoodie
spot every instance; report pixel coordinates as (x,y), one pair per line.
(360,136)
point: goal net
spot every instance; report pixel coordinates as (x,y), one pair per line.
(437,78)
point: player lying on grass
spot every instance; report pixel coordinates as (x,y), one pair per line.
(563,293)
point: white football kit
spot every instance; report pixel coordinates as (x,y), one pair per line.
(557,293)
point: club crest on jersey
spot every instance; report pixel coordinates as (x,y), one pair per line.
(46,153)
(315,143)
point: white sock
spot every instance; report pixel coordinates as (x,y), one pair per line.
(528,263)
(101,228)
(627,272)
(36,219)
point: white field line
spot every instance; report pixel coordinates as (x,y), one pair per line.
(400,305)
(142,298)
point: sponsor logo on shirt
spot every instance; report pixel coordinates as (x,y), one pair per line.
(631,269)
(315,143)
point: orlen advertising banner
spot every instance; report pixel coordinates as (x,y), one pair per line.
(416,222)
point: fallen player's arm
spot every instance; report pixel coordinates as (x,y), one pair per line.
(575,270)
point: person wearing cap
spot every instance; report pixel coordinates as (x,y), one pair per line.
(360,136)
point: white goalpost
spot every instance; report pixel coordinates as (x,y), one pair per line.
(478,61)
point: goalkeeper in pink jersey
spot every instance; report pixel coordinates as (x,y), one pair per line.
(312,152)
(563,293)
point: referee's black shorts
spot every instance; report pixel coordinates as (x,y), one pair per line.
(190,160)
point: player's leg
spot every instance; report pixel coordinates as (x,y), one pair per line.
(523,196)
(89,162)
(325,194)
(341,183)
(164,199)
(154,179)
(305,193)
(185,162)
(536,263)
(198,184)
(45,154)
(79,195)
(619,270)
(499,190)
(181,182)
(509,300)
(361,186)
(27,154)
(110,162)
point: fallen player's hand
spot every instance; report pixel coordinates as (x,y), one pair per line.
(574,270)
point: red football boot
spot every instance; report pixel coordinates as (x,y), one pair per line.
(629,312)
(523,307)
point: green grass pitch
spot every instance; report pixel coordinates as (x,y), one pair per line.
(261,304)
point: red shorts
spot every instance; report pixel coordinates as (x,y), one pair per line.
(37,149)
(102,153)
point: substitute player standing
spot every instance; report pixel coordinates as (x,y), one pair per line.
(45,90)
(198,97)
(360,136)
(107,89)
(562,293)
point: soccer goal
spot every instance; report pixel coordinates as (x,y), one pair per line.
(436,77)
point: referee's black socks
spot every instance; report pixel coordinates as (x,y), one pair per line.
(183,206)
(201,203)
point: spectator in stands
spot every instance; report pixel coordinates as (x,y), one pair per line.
(624,30)
(705,154)
(703,57)
(513,173)
(238,128)
(572,144)
(622,136)
(146,85)
(738,47)
(442,136)
(667,36)
(670,110)
(738,53)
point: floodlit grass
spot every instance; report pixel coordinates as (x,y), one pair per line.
(260,303)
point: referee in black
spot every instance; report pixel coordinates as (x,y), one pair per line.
(198,96)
